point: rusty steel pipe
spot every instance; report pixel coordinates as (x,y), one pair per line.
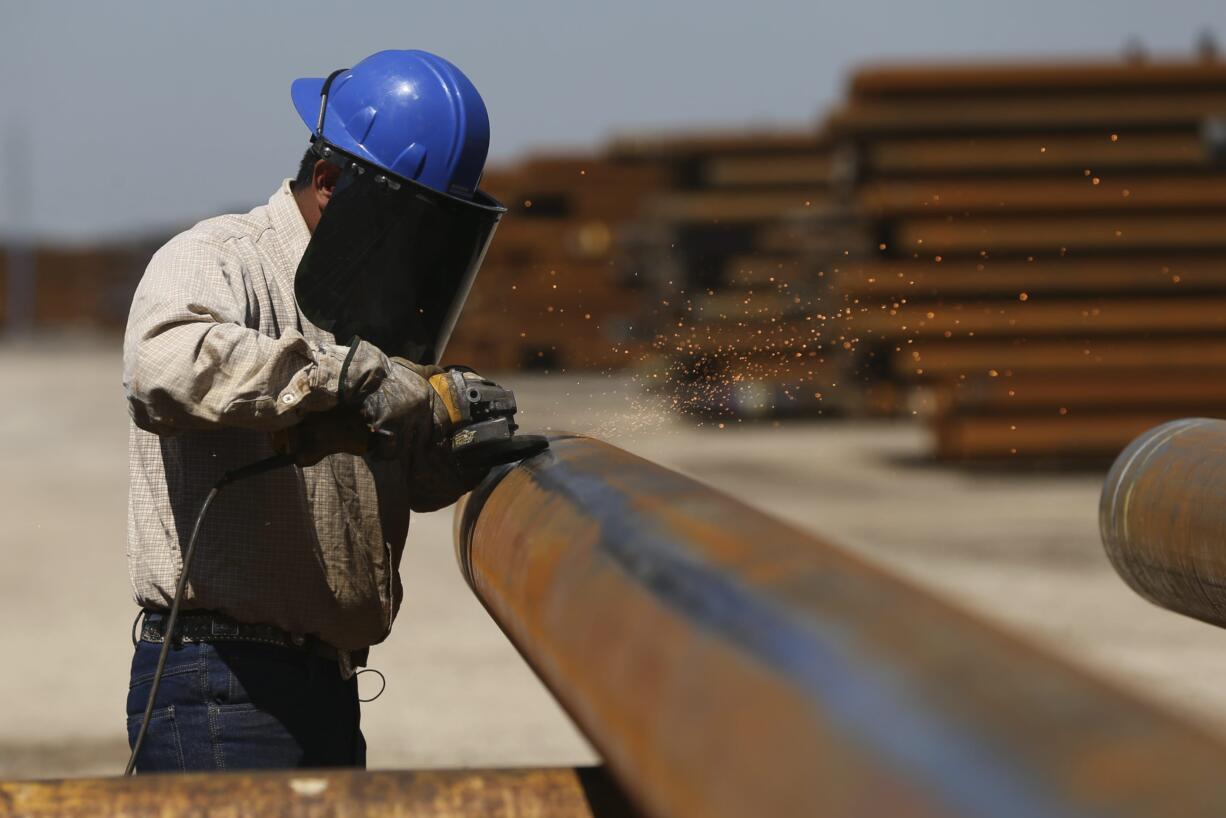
(555,793)
(726,664)
(1163,517)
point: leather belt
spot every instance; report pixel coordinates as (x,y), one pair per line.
(206,626)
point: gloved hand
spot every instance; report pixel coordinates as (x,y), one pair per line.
(393,396)
(386,406)
(436,479)
(341,429)
(402,413)
(323,433)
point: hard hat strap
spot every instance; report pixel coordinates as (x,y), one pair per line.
(323,100)
(320,144)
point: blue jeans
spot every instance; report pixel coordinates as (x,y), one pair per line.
(244,705)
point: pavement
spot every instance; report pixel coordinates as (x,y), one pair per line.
(1021,549)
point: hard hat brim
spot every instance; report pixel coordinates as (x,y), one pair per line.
(305,94)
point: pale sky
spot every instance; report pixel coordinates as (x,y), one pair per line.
(149,115)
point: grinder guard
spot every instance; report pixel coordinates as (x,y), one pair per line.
(392,260)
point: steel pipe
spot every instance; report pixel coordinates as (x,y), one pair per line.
(1163,517)
(726,664)
(305,794)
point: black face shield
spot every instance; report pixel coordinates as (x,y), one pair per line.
(392,261)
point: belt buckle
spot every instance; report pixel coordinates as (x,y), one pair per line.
(218,628)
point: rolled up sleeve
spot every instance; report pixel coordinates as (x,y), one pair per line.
(193,361)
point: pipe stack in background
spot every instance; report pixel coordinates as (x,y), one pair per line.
(1049,269)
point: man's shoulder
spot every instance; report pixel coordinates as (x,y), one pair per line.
(214,234)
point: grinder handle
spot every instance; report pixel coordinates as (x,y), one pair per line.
(453,399)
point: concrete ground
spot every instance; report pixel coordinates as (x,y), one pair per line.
(1020,548)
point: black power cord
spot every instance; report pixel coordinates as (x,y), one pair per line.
(250,470)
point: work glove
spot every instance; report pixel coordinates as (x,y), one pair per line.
(402,413)
(320,434)
(436,479)
(394,398)
(392,408)
(415,421)
(383,405)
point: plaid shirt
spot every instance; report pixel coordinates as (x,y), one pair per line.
(217,355)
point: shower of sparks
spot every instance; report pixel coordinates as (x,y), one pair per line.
(790,331)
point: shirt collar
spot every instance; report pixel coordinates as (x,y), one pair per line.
(291,231)
(289,239)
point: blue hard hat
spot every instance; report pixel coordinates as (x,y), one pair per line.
(408,112)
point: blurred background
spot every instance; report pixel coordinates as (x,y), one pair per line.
(908,275)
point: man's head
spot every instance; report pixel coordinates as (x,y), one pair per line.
(390,194)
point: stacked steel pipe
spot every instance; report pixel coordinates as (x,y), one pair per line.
(1047,262)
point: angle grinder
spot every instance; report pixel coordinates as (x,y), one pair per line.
(483,415)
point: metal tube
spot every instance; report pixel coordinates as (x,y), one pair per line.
(1163,517)
(726,664)
(305,794)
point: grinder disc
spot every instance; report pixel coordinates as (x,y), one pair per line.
(497,452)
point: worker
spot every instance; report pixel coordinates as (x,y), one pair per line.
(296,572)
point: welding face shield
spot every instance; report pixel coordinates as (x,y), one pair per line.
(392,260)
